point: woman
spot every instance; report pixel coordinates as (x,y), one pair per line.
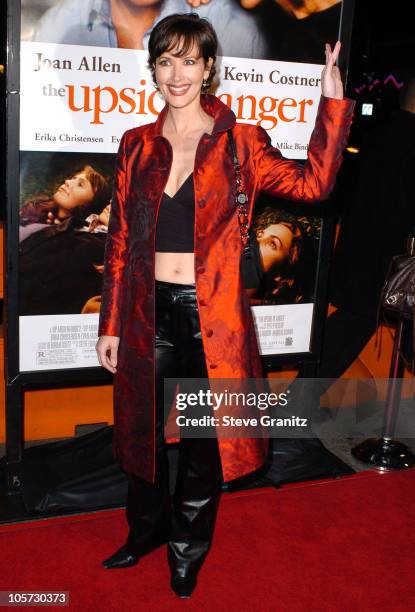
(84,193)
(173,304)
(286,247)
(58,254)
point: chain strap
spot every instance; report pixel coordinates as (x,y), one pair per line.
(241,199)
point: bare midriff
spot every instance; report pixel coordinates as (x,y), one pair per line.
(175,268)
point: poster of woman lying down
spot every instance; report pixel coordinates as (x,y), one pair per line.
(63,221)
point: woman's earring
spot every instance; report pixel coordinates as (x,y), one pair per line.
(204,85)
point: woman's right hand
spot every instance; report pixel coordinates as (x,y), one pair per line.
(107,351)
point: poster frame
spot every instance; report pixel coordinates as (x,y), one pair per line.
(96,374)
(16,380)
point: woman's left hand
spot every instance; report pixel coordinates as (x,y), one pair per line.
(331,81)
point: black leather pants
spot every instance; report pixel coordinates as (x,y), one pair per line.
(187,520)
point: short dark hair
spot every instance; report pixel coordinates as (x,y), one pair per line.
(183,30)
(275,216)
(291,281)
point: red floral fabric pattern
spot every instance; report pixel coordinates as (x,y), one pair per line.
(128,308)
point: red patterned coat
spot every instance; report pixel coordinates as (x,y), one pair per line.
(128,306)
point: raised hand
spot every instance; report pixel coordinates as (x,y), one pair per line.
(331,81)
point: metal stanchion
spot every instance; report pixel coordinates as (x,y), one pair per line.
(385,453)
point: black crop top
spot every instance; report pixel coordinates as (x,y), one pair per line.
(176,219)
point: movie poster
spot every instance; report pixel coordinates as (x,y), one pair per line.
(84,81)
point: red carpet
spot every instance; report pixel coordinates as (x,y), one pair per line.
(334,546)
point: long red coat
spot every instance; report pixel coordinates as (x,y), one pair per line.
(128,306)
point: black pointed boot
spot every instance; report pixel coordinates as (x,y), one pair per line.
(148,513)
(195,505)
